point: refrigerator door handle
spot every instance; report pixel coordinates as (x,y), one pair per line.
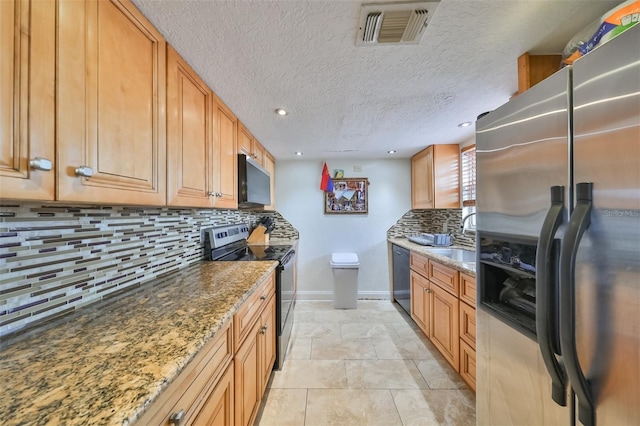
(578,224)
(547,297)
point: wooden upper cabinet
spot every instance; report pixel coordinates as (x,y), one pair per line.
(532,69)
(189,136)
(245,140)
(435,177)
(27,99)
(111,117)
(225,158)
(270,166)
(258,152)
(249,145)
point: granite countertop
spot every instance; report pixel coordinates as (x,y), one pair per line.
(466,267)
(105,363)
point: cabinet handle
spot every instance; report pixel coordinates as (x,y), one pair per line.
(39,163)
(176,418)
(263,330)
(84,171)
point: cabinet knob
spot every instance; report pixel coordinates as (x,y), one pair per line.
(84,171)
(426,290)
(176,418)
(39,163)
(219,194)
(263,330)
(263,297)
(213,194)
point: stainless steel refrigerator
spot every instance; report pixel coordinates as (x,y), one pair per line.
(558,319)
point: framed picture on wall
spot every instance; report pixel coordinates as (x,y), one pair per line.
(349,196)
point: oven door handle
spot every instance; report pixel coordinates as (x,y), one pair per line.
(288,259)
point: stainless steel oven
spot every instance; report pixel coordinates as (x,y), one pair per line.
(229,243)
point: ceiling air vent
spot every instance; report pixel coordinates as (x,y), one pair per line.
(394,23)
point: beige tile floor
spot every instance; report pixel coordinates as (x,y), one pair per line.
(364,366)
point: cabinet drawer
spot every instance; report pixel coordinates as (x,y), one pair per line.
(190,389)
(420,264)
(468,289)
(445,277)
(468,364)
(468,324)
(251,309)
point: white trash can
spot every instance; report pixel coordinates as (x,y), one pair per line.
(345,280)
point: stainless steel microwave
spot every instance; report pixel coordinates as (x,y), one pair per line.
(254,183)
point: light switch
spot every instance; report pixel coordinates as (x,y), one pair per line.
(357,168)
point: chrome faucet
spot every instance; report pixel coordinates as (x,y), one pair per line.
(464,220)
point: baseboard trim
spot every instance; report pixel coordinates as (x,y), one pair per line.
(328,295)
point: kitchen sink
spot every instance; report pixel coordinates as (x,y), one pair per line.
(459,255)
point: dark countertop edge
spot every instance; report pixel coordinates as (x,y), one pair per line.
(424,250)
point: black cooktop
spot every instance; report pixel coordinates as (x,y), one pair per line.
(256,252)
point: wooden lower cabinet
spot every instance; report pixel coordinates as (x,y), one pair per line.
(444,324)
(468,364)
(218,387)
(248,378)
(267,341)
(217,409)
(253,363)
(421,302)
(438,296)
(203,392)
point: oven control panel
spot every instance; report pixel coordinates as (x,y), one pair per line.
(222,235)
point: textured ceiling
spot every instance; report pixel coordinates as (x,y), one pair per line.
(348,101)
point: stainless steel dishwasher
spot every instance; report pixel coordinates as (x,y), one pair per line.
(401,277)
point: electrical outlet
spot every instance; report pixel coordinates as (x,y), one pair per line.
(357,168)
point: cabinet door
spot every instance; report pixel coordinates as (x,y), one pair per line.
(258,152)
(248,377)
(27,99)
(421,302)
(245,140)
(422,179)
(111,117)
(468,289)
(225,159)
(468,324)
(217,409)
(270,166)
(444,324)
(446,176)
(267,342)
(468,364)
(189,138)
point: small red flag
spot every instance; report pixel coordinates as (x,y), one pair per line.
(326,184)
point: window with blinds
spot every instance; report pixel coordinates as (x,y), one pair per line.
(469,176)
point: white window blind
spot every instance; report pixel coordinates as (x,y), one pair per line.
(469,176)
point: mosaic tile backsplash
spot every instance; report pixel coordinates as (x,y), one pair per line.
(433,221)
(54,259)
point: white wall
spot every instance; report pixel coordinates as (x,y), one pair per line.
(300,200)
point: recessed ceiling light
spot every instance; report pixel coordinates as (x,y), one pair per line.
(465,124)
(281,112)
(298,153)
(391,151)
